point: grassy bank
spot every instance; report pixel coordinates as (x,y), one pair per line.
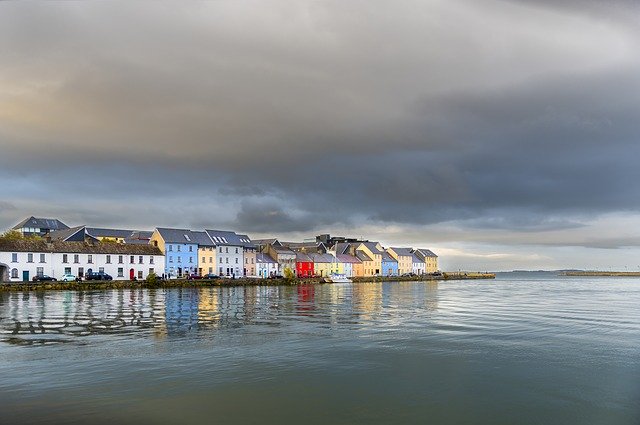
(176,283)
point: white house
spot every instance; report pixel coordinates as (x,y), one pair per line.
(266,266)
(22,260)
(228,252)
(418,265)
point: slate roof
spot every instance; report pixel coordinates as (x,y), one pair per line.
(426,252)
(247,242)
(372,247)
(141,234)
(42,223)
(404,252)
(322,258)
(61,235)
(416,259)
(302,257)
(264,258)
(342,247)
(28,245)
(224,238)
(386,258)
(108,233)
(201,238)
(346,258)
(362,256)
(176,235)
(265,241)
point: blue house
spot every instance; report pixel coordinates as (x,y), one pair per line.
(180,248)
(389,265)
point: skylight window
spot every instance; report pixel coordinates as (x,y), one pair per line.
(187,238)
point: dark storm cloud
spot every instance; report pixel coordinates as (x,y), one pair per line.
(295,116)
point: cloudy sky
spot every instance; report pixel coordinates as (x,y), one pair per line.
(501,134)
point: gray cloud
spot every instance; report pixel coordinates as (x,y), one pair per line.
(278,117)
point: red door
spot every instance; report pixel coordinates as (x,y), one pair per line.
(132,274)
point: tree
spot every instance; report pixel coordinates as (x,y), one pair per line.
(289,274)
(11,235)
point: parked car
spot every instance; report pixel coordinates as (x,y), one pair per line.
(211,276)
(408,274)
(44,278)
(194,276)
(97,276)
(68,278)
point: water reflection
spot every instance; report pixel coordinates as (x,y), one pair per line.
(48,317)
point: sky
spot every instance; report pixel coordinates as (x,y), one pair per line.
(502,134)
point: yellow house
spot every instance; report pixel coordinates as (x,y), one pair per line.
(249,256)
(372,264)
(324,264)
(404,257)
(430,259)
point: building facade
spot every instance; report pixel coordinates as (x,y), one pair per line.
(180,251)
(404,257)
(389,265)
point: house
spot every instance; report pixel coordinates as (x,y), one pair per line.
(389,265)
(285,257)
(266,266)
(250,251)
(228,252)
(33,226)
(179,248)
(21,260)
(304,265)
(97,234)
(430,259)
(206,253)
(324,264)
(72,234)
(349,265)
(373,252)
(404,257)
(418,265)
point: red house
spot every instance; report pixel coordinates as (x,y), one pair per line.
(304,265)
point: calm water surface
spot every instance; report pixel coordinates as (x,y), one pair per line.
(522,349)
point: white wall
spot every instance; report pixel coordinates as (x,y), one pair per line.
(55,266)
(230,257)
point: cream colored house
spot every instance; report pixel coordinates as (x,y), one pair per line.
(404,257)
(374,251)
(430,259)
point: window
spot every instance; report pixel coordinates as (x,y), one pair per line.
(80,271)
(203,260)
(252,260)
(179,260)
(14,274)
(132,259)
(226,250)
(210,270)
(100,269)
(76,258)
(108,259)
(236,250)
(170,248)
(191,259)
(120,272)
(236,260)
(14,257)
(211,259)
(220,271)
(120,259)
(170,259)
(67,270)
(178,248)
(40,271)
(140,260)
(151,260)
(29,258)
(246,260)
(90,259)
(190,248)
(139,274)
(227,260)
(220,260)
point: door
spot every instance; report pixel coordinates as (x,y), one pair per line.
(132,274)
(25,276)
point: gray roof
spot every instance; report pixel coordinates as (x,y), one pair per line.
(425,252)
(322,258)
(247,241)
(28,245)
(362,256)
(225,238)
(416,259)
(372,246)
(405,252)
(342,247)
(108,233)
(63,235)
(346,258)
(388,258)
(141,234)
(301,256)
(201,238)
(176,235)
(265,241)
(264,258)
(42,223)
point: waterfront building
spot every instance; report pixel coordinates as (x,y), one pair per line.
(250,251)
(430,259)
(33,226)
(97,234)
(349,265)
(304,265)
(389,265)
(266,266)
(22,260)
(404,257)
(228,252)
(373,253)
(72,234)
(418,265)
(180,250)
(285,257)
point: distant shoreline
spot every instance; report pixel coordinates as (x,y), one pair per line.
(599,273)
(182,283)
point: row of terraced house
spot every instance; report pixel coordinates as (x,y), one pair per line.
(50,247)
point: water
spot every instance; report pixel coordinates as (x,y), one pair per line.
(523,349)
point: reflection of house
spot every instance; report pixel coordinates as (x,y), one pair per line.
(404,257)
(179,248)
(33,226)
(21,260)
(430,259)
(266,266)
(389,265)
